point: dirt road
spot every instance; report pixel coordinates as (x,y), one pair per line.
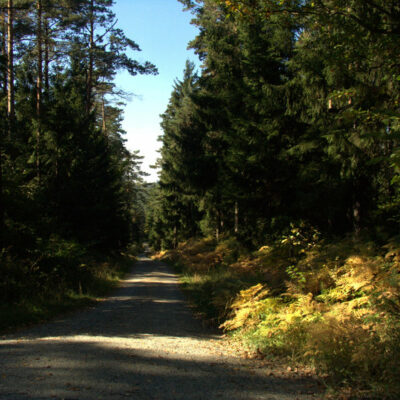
(141,343)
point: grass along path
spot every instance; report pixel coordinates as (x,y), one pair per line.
(50,302)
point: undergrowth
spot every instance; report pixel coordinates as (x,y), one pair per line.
(332,305)
(65,277)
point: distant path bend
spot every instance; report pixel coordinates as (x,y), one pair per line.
(142,343)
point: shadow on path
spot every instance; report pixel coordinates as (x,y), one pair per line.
(147,302)
(142,343)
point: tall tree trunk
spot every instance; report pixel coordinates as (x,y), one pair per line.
(103,116)
(39,81)
(2,207)
(10,66)
(389,145)
(356,217)
(46,55)
(359,185)
(4,49)
(4,84)
(175,244)
(89,84)
(236,217)
(217,229)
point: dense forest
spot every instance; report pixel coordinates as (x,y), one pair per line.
(294,118)
(69,188)
(279,187)
(279,191)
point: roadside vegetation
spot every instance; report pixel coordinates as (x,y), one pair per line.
(332,305)
(71,193)
(65,279)
(282,153)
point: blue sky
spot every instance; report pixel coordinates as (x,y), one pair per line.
(162,30)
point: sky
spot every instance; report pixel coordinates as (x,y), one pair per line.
(162,30)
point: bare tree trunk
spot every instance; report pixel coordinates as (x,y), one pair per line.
(5,93)
(2,207)
(217,229)
(236,217)
(4,49)
(89,84)
(10,66)
(103,115)
(389,144)
(39,82)
(175,237)
(356,217)
(46,55)
(359,202)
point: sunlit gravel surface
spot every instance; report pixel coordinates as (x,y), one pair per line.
(141,343)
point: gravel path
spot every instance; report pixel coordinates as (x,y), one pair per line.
(141,343)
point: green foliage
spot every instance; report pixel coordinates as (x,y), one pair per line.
(59,282)
(334,314)
(294,117)
(206,276)
(333,305)
(71,194)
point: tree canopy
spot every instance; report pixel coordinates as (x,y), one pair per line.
(294,118)
(66,179)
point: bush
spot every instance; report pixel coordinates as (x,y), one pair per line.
(63,275)
(333,305)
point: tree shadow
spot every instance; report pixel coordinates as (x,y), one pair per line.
(83,370)
(141,343)
(148,302)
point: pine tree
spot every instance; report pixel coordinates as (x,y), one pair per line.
(181,160)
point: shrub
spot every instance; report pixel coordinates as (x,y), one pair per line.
(334,305)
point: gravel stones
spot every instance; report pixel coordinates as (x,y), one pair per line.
(141,343)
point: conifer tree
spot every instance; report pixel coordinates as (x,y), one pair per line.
(181,160)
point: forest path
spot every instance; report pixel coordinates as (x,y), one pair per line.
(141,343)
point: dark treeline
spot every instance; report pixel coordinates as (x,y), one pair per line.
(293,119)
(68,186)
